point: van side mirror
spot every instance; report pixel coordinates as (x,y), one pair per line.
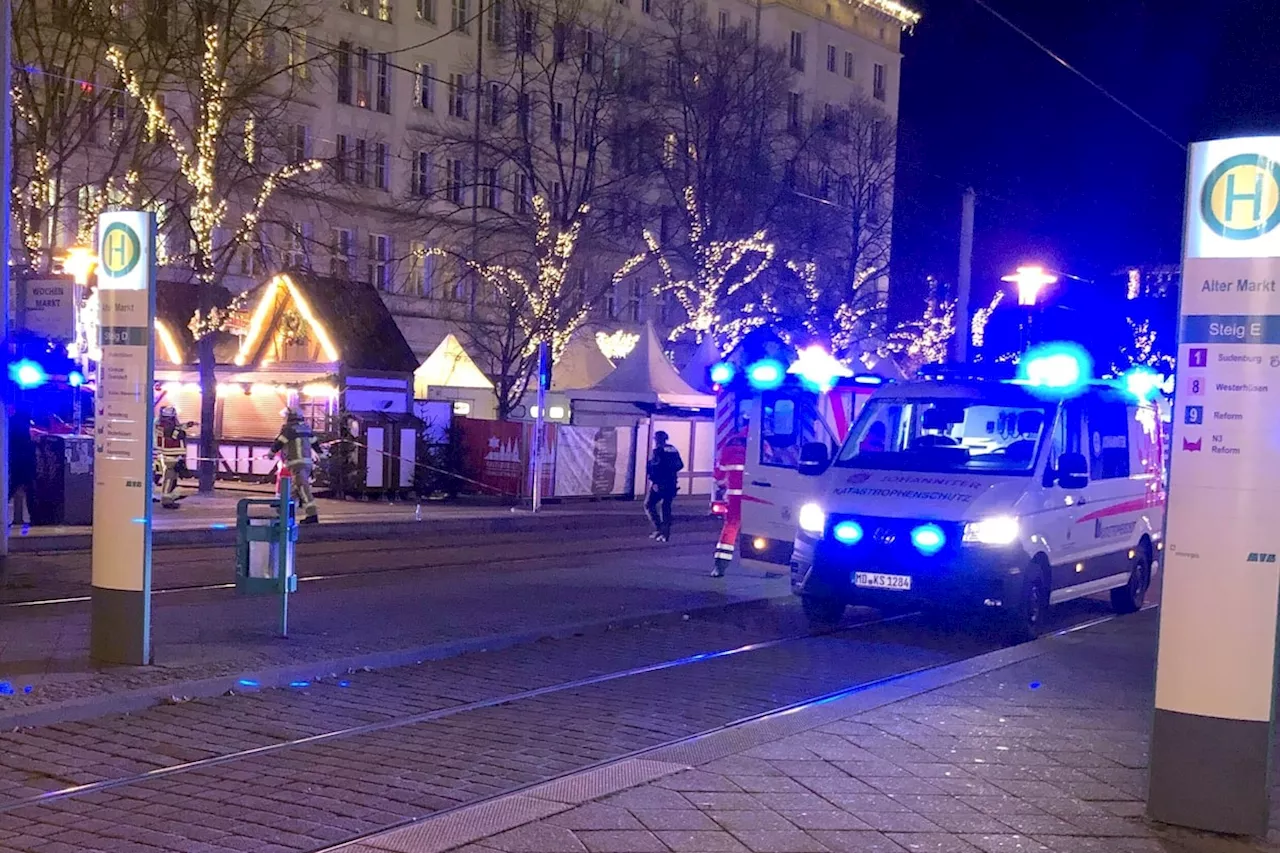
(1073,471)
(814,458)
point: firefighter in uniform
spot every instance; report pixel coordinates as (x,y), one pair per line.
(297,442)
(170,454)
(733,466)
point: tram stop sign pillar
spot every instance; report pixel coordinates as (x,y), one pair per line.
(1216,665)
(120,609)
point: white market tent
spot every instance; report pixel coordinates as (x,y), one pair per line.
(697,372)
(581,365)
(449,366)
(645,378)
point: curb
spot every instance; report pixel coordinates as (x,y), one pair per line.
(224,535)
(469,824)
(275,677)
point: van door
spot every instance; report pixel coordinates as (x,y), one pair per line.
(774,488)
(1059,507)
(1116,500)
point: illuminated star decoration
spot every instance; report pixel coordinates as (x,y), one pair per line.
(617,345)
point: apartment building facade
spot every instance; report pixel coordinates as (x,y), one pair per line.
(380,82)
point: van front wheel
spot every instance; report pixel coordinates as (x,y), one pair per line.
(823,613)
(1026,622)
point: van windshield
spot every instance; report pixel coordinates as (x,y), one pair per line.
(951,435)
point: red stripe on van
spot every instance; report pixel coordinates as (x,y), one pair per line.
(1135,505)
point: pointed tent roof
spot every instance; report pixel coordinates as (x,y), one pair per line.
(697,371)
(448,365)
(581,365)
(645,376)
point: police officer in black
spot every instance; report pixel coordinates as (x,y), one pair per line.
(663,466)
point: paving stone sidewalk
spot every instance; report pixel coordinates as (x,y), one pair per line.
(1046,754)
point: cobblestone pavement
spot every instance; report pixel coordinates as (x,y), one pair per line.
(203,635)
(1046,755)
(315,794)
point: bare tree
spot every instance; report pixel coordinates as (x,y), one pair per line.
(223,110)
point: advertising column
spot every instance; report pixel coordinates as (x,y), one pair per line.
(1216,666)
(121,604)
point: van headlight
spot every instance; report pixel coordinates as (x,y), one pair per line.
(813,518)
(997,530)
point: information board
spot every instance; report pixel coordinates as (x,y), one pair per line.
(1215,679)
(123,439)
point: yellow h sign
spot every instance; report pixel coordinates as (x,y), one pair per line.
(1240,198)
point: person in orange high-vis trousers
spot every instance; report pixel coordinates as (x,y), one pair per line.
(733,465)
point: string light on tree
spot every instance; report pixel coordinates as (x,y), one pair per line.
(618,344)
(978,326)
(924,341)
(720,269)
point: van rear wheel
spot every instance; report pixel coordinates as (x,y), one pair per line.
(1130,597)
(823,613)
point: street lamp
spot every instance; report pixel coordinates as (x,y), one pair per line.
(1029,281)
(79,262)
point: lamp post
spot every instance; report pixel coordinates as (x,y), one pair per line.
(1029,281)
(80,262)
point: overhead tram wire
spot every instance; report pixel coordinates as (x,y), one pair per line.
(1076,71)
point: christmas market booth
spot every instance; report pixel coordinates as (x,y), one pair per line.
(328,347)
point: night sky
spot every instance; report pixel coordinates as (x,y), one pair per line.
(1063,176)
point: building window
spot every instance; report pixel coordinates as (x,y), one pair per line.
(384,84)
(421,269)
(362,71)
(489,188)
(646,6)
(299,55)
(427,11)
(831,58)
(384,10)
(381,166)
(301,143)
(524,114)
(557,121)
(523,197)
(297,246)
(497,21)
(454,188)
(495,103)
(461,16)
(669,146)
(341,253)
(528,31)
(724,23)
(795,111)
(341,155)
(380,261)
(879,82)
(797,50)
(361,157)
(848,64)
(421,178)
(557,196)
(344,72)
(458,95)
(424,95)
(589,52)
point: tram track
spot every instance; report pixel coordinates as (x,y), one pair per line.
(436,759)
(389,552)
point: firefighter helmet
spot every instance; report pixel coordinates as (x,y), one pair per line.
(169,412)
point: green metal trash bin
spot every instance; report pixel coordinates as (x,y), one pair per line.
(266,531)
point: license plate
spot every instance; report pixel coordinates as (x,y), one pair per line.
(875,580)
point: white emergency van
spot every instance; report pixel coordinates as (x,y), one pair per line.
(964,493)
